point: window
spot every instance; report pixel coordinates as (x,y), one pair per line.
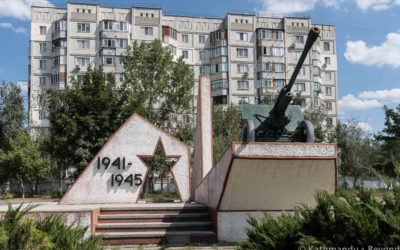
(278,51)
(108,25)
(316,71)
(302,71)
(42,64)
(42,115)
(327,60)
(123,43)
(315,55)
(185,118)
(172,49)
(268,83)
(217,35)
(220,51)
(243,84)
(202,39)
(326,46)
(298,39)
(56,78)
(300,86)
(62,43)
(329,121)
(243,100)
(109,43)
(119,77)
(267,67)
(43,30)
(42,80)
(185,54)
(185,38)
(202,70)
(329,106)
(242,52)
(317,87)
(84,27)
(147,31)
(296,54)
(241,36)
(242,68)
(220,67)
(122,26)
(303,103)
(279,83)
(278,67)
(60,25)
(79,78)
(83,44)
(317,102)
(108,60)
(278,35)
(328,91)
(83,61)
(267,51)
(265,34)
(328,76)
(60,60)
(203,55)
(172,33)
(220,84)
(42,47)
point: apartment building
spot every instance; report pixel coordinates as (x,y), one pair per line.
(247,56)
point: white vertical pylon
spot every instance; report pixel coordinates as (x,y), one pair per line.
(203,148)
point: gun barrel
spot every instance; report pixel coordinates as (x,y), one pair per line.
(285,96)
(311,38)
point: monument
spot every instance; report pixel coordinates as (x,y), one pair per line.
(117,173)
(276,167)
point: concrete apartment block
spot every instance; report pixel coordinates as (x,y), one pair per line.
(247,56)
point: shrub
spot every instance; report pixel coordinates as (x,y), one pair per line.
(357,219)
(19,230)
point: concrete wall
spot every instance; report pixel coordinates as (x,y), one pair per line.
(265,177)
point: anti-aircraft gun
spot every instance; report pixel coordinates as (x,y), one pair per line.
(284,123)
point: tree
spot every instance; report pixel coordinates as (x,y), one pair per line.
(227,128)
(317,116)
(12,114)
(84,115)
(389,141)
(156,86)
(24,162)
(82,118)
(356,151)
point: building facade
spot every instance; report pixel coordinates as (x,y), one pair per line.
(247,56)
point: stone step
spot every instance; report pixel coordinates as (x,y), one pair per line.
(156,209)
(154,226)
(158,237)
(185,217)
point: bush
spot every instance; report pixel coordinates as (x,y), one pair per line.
(357,219)
(18,230)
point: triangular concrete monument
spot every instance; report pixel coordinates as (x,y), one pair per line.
(117,173)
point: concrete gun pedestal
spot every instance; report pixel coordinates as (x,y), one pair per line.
(253,178)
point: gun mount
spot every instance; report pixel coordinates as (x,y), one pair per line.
(280,122)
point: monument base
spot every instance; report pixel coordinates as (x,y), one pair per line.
(254,178)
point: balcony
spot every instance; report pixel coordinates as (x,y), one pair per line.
(147,20)
(59,34)
(83,17)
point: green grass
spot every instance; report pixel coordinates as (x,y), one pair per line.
(151,196)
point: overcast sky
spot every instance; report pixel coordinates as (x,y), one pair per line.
(367,35)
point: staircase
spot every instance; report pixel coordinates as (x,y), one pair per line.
(155,224)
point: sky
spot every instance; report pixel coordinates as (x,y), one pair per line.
(367,36)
